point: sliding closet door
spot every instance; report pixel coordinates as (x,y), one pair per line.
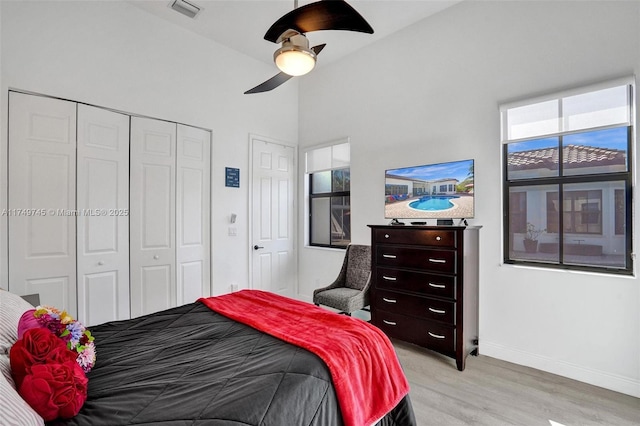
(103,215)
(152,220)
(192,213)
(42,180)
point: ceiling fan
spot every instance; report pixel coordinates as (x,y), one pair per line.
(294,57)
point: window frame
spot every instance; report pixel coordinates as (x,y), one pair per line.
(560,181)
(331,195)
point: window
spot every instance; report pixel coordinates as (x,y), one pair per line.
(582,212)
(396,189)
(329,187)
(567,179)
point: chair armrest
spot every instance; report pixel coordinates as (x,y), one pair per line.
(365,290)
(368,284)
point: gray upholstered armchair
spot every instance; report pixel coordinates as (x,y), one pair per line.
(350,291)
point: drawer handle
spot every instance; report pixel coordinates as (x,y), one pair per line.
(389,322)
(389,256)
(438,238)
(437,285)
(389,300)
(389,278)
(432,260)
(437,336)
(386,235)
(437,311)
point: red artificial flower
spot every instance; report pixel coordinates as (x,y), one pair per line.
(37,346)
(55,390)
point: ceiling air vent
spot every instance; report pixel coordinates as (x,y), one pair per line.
(186,8)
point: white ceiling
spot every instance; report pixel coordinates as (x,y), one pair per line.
(241,24)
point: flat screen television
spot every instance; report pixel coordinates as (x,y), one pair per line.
(430,191)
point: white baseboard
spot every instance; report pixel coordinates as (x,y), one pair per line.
(626,385)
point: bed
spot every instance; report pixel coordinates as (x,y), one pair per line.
(192,365)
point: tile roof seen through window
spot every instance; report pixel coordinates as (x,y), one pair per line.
(574,156)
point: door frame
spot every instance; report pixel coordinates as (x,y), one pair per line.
(254,137)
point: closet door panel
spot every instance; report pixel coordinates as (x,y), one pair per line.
(100,296)
(157,206)
(193,213)
(42,176)
(152,220)
(103,222)
(156,287)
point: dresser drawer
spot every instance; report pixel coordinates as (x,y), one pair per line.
(414,306)
(428,237)
(416,282)
(425,333)
(416,258)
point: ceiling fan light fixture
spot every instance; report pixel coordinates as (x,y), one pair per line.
(295,62)
(294,57)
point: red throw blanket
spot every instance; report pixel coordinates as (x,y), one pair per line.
(364,367)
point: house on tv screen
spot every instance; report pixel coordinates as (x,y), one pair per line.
(407,187)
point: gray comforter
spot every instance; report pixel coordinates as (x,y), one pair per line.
(191,366)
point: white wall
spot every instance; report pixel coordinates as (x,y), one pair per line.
(430,94)
(115,55)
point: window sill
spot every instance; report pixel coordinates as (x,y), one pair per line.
(325,248)
(622,273)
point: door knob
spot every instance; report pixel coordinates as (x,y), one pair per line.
(257,247)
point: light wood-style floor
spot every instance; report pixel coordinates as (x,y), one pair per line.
(493,392)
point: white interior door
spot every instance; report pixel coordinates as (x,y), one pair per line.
(152,215)
(103,215)
(193,181)
(272,217)
(42,181)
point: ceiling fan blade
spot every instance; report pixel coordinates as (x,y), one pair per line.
(322,15)
(317,49)
(270,84)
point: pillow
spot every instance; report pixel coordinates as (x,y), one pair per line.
(5,369)
(55,390)
(27,321)
(13,409)
(38,346)
(47,375)
(75,336)
(11,309)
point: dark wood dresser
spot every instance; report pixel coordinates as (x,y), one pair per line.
(425,286)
